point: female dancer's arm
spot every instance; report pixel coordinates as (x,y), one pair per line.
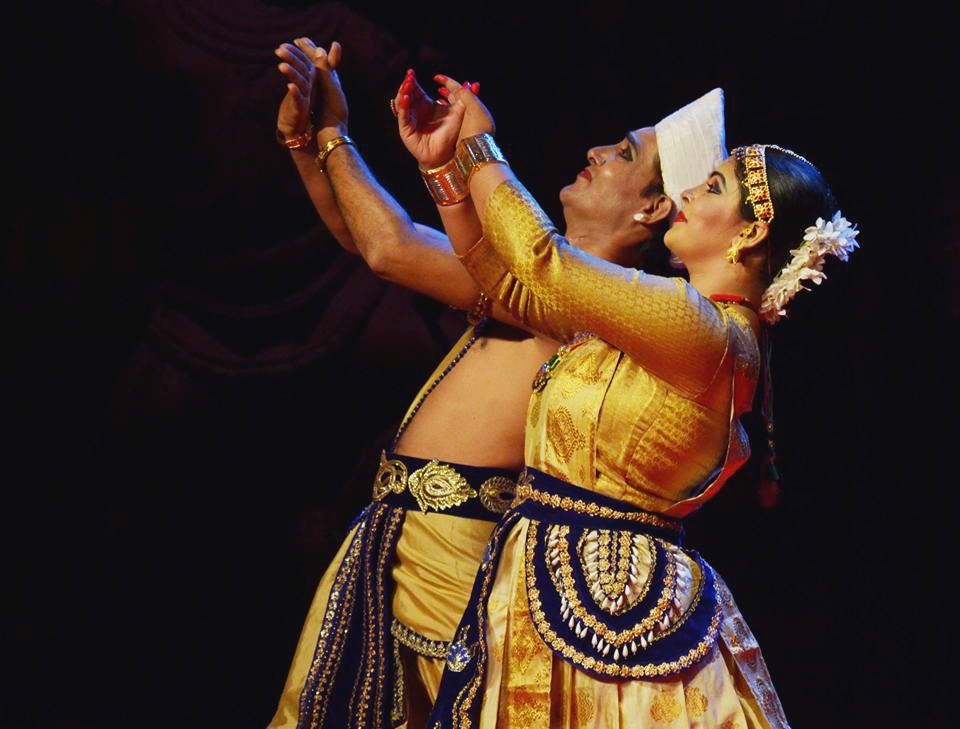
(526,265)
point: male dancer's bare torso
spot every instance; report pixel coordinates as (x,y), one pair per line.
(476,413)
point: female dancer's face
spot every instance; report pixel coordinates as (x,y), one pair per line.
(710,218)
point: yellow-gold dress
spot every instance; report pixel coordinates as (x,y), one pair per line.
(585,612)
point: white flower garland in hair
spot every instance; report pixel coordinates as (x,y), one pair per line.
(836,237)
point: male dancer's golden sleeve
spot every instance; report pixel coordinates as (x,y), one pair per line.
(543,281)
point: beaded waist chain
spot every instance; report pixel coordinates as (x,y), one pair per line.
(418,484)
(543,497)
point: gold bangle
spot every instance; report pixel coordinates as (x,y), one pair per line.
(480,310)
(470,250)
(329,147)
(476,152)
(445,183)
(297,142)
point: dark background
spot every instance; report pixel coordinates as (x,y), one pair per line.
(196,381)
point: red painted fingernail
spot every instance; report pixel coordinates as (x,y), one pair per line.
(443,91)
(475,87)
(440,77)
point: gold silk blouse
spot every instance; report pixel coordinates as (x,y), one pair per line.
(648,410)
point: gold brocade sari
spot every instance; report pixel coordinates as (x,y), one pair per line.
(646,411)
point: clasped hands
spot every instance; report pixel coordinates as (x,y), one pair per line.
(429,128)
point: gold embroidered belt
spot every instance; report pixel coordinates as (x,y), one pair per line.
(419,643)
(418,484)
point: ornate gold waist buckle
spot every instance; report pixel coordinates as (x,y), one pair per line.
(438,486)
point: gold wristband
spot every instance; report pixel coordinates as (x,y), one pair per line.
(297,142)
(445,183)
(476,152)
(329,147)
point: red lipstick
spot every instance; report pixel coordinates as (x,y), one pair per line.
(586,173)
(681,218)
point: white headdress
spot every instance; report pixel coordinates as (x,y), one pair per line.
(691,143)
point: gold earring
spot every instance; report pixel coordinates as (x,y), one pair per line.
(733,252)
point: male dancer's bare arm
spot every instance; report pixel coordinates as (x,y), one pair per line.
(393,245)
(358,211)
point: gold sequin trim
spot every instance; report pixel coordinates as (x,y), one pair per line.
(695,576)
(497,493)
(377,662)
(526,490)
(398,711)
(591,663)
(419,643)
(330,642)
(468,694)
(385,556)
(439,486)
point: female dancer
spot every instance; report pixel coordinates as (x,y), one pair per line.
(586,611)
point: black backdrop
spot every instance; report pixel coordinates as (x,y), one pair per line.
(196,381)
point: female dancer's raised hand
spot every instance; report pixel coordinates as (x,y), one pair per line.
(428,127)
(476,117)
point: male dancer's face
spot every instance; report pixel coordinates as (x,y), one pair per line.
(611,188)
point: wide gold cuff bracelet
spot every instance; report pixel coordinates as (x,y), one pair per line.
(476,152)
(445,183)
